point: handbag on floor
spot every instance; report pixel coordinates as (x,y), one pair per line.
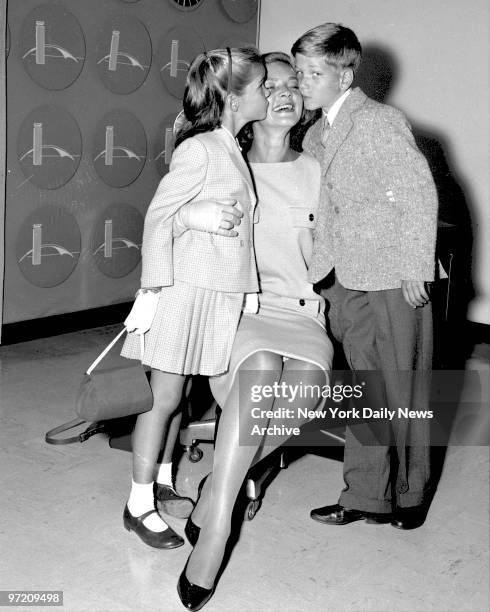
(106,394)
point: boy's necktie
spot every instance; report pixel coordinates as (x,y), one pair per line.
(325,130)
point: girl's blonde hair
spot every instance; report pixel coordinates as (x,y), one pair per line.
(211,77)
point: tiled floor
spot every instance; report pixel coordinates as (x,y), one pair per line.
(61,519)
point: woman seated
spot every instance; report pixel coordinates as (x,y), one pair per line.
(284,341)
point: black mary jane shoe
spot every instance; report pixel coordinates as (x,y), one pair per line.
(192,531)
(192,596)
(158,539)
(171,502)
(338,515)
(409,518)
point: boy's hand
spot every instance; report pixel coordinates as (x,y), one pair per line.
(415,293)
(212,216)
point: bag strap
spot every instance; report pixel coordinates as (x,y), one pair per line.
(105,351)
(92,429)
(110,345)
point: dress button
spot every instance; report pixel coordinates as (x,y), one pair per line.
(302,302)
(311,217)
(403,487)
(336,209)
(329,185)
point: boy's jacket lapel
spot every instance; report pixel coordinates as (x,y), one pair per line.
(342,126)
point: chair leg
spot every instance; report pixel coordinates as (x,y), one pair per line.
(190,436)
(199,430)
(254,486)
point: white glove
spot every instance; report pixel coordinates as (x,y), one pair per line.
(143,312)
(212,216)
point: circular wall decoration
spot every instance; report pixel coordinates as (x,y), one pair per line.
(116,240)
(240,10)
(119,151)
(52,46)
(177,49)
(186,5)
(48,246)
(49,147)
(123,54)
(164,144)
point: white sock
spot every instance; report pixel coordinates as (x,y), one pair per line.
(164,474)
(140,501)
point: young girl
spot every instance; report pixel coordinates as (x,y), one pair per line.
(193,282)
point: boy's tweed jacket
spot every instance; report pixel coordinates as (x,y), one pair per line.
(378,209)
(206,166)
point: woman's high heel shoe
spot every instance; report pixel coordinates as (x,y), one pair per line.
(193,596)
(192,530)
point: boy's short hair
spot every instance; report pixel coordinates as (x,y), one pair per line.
(336,43)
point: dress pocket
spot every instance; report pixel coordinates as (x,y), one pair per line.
(303,216)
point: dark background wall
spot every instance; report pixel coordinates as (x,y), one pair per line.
(93,88)
(3,135)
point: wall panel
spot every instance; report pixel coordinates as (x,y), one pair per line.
(93,88)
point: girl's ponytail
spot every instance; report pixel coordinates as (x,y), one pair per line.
(208,85)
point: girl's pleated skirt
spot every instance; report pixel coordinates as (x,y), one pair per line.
(192,332)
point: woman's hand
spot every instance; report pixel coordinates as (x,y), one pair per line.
(212,216)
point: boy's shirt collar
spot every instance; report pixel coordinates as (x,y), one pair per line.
(335,108)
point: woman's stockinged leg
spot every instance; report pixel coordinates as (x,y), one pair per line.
(231,463)
(304,382)
(296,374)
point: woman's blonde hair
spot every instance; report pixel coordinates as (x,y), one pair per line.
(296,135)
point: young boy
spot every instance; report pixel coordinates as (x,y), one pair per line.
(377,231)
